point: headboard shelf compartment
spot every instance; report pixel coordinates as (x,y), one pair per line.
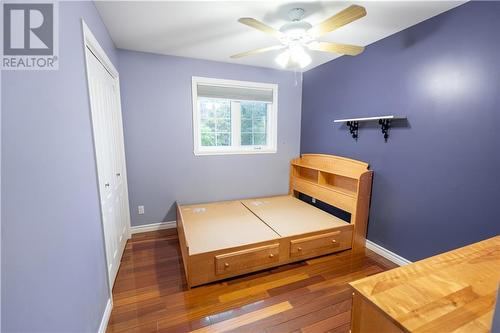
(306,173)
(337,181)
(334,169)
(345,185)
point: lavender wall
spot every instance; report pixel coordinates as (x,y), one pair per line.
(157,115)
(436,183)
(53,264)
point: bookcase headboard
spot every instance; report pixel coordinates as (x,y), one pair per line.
(337,181)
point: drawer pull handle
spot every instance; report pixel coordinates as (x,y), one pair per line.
(334,241)
(226,264)
(299,249)
(271,255)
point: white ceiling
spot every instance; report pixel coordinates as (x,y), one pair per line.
(209,29)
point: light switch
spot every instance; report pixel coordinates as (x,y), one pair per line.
(140,210)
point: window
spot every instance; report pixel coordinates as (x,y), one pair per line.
(234,117)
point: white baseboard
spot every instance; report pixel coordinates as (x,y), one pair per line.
(398,260)
(153,227)
(105,317)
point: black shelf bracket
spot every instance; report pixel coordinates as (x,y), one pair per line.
(385,124)
(353,128)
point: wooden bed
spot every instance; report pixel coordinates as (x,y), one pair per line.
(224,239)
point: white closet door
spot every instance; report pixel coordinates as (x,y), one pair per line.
(109,148)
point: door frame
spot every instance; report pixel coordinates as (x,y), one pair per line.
(90,42)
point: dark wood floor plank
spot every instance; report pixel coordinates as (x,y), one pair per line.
(341,329)
(150,293)
(310,317)
(296,285)
(329,323)
(303,302)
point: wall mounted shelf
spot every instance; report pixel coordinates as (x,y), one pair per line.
(384,122)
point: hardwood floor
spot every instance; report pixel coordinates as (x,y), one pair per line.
(150,293)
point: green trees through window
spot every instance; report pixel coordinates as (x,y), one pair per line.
(216,125)
(253,123)
(215,122)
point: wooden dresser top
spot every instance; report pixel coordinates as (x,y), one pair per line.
(453,291)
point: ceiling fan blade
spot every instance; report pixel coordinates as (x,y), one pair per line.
(338,20)
(257,51)
(336,48)
(260,26)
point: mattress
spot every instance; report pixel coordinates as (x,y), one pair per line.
(221,225)
(289,216)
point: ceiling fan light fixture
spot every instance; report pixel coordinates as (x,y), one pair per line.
(299,56)
(295,56)
(283,58)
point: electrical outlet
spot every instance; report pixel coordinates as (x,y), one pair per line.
(140,210)
(313,200)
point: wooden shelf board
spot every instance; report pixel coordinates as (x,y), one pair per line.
(339,189)
(329,187)
(392,117)
(325,170)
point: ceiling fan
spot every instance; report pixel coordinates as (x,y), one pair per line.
(297,36)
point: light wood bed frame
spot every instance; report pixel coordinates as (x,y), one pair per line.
(338,181)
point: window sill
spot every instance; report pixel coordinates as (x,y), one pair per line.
(235,152)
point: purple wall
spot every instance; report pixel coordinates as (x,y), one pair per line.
(437,181)
(53,264)
(157,117)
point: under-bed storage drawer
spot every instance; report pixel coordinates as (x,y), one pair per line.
(246,259)
(321,244)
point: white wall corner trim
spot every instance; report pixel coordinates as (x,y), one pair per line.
(398,260)
(153,227)
(105,317)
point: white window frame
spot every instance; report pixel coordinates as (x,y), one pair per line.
(236,148)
